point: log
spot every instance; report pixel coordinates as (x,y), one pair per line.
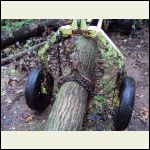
(27,31)
(69,108)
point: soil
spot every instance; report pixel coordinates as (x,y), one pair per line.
(16,115)
(137,66)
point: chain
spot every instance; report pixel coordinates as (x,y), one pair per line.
(75,74)
(120,75)
(59,61)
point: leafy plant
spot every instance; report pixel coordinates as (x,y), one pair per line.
(100,99)
(12,24)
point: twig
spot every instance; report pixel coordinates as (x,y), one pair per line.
(18,55)
(137,52)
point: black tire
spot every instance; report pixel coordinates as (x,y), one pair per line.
(35,99)
(124,111)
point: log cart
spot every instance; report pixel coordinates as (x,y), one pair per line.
(76,76)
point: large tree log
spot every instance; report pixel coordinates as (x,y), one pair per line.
(70,105)
(27,31)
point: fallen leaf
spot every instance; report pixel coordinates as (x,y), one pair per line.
(15,79)
(12,82)
(141,42)
(140,56)
(14,112)
(12,128)
(145,73)
(6,81)
(8,101)
(29,118)
(139,95)
(135,66)
(138,46)
(3,93)
(19,91)
(109,116)
(144,109)
(145,112)
(3,67)
(43,121)
(32,64)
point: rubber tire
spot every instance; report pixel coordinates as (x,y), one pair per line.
(127,97)
(34,98)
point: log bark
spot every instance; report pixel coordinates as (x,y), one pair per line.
(69,107)
(27,31)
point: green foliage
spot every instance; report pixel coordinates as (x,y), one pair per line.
(116,98)
(12,24)
(43,55)
(12,72)
(27,45)
(109,87)
(112,58)
(140,21)
(100,99)
(94,109)
(110,54)
(108,83)
(43,88)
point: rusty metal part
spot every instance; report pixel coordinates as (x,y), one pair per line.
(78,77)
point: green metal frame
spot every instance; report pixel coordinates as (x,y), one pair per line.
(91,31)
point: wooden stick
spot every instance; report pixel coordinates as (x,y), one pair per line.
(18,55)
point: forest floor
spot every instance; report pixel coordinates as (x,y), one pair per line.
(15,114)
(137,66)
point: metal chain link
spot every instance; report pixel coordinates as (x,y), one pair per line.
(75,75)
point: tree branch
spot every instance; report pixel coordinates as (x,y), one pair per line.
(19,55)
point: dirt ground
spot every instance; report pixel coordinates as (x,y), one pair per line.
(137,66)
(15,114)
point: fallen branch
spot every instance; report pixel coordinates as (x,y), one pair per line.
(19,55)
